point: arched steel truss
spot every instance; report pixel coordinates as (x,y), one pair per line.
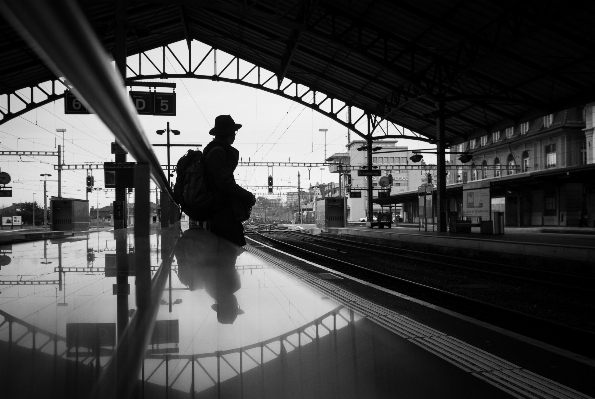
(37,97)
(257,77)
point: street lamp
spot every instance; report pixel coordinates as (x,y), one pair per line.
(176,133)
(324,130)
(60,162)
(45,199)
(97,190)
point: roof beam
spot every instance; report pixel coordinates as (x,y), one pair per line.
(293,41)
(336,82)
(185,26)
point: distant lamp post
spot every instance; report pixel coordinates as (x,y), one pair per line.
(324,130)
(60,162)
(97,190)
(176,133)
(45,198)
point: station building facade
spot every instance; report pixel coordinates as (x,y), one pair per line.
(388,159)
(540,172)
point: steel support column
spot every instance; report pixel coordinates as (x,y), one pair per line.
(441,166)
(369,143)
(59,171)
(164,203)
(121,215)
(142,245)
(120,58)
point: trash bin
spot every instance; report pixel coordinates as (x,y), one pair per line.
(498,222)
(486,227)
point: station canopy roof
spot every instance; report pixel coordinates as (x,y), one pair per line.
(495,63)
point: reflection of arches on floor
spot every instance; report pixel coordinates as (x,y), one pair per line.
(218,367)
(52,351)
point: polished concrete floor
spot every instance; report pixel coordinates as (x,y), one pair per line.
(228,325)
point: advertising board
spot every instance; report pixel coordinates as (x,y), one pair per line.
(476,203)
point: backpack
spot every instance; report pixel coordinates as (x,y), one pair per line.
(190,190)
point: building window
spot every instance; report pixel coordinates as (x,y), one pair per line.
(550,156)
(526,160)
(497,167)
(547,120)
(524,128)
(460,175)
(496,136)
(374,160)
(483,140)
(583,151)
(509,132)
(484,170)
(511,165)
(550,203)
(403,160)
(473,172)
(392,160)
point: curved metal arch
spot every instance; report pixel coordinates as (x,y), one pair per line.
(280,92)
(155,59)
(290,91)
(30,103)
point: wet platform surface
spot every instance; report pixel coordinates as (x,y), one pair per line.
(229,324)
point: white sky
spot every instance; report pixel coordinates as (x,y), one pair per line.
(274,129)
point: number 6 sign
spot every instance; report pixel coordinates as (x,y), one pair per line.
(165,104)
(72,105)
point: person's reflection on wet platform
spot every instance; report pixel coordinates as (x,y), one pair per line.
(206,261)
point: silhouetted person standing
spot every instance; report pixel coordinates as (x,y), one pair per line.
(232,203)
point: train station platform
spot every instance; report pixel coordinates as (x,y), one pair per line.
(531,243)
(236,322)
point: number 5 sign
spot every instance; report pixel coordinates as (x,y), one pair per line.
(72,105)
(165,104)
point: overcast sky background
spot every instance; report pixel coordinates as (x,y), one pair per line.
(274,129)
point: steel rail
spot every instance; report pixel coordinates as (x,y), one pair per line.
(61,36)
(551,332)
(439,260)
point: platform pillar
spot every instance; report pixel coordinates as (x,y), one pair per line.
(142,245)
(369,163)
(441,167)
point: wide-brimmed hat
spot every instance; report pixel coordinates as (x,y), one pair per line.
(224,125)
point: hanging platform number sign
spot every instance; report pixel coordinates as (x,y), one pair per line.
(143,102)
(72,105)
(165,104)
(154,103)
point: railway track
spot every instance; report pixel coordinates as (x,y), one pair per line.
(554,333)
(561,281)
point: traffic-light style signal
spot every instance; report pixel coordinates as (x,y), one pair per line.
(429,178)
(90,181)
(270,184)
(349,179)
